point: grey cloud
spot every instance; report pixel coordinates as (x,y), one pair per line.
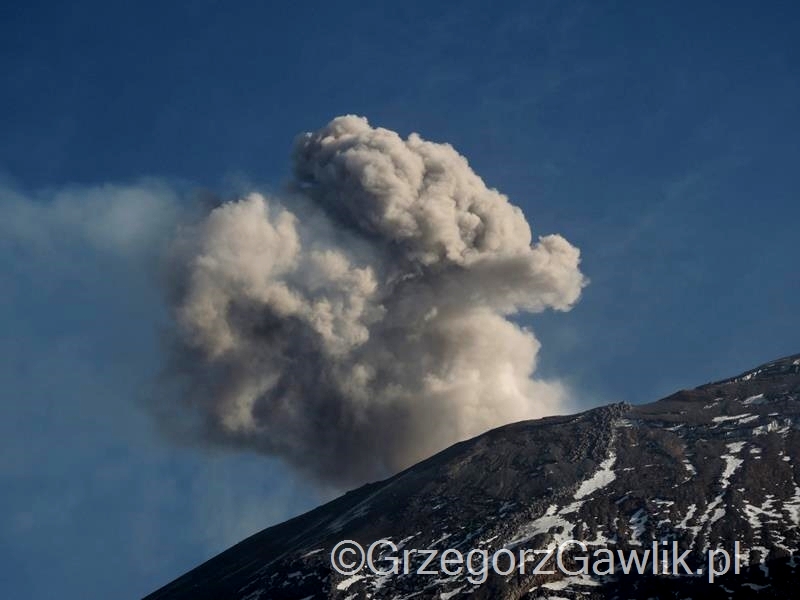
(361,323)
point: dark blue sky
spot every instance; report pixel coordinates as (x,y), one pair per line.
(661,139)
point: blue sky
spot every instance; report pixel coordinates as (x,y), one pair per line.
(659,139)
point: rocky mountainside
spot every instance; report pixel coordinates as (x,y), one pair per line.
(716,467)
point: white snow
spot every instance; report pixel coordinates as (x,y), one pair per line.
(763,554)
(637,524)
(604,475)
(755,514)
(749,419)
(569,581)
(725,418)
(774,427)
(405,540)
(553,518)
(718,514)
(343,585)
(757,399)
(793,506)
(684,524)
(714,511)
(731,462)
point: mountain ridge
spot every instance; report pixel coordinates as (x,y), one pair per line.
(671,470)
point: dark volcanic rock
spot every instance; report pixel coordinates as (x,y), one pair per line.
(701,469)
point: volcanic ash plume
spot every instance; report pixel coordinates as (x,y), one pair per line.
(361,323)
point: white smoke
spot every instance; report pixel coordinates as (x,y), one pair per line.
(124,221)
(362,323)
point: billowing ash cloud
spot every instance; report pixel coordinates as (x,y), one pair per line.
(362,323)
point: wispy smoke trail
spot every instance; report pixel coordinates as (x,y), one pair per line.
(361,323)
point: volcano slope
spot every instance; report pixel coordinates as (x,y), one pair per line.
(716,467)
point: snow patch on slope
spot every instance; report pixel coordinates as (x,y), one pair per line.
(604,475)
